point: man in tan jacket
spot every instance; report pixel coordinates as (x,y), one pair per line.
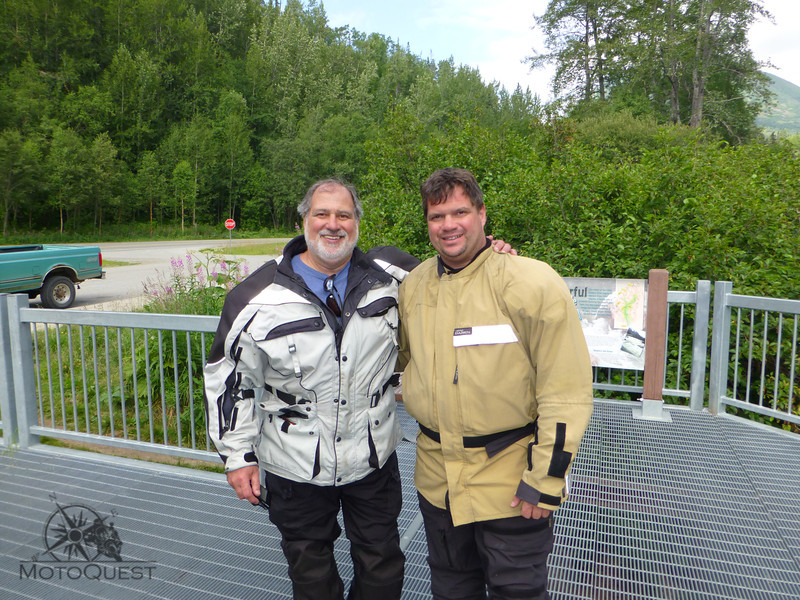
(499,379)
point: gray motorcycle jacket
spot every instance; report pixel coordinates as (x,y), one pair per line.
(290,388)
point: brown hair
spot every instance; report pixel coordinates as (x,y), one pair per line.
(440,185)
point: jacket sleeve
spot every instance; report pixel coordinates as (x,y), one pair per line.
(404,354)
(232,379)
(563,392)
(398,264)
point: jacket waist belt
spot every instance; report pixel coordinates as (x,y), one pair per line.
(291,399)
(493,442)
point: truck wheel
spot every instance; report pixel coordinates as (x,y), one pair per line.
(58,292)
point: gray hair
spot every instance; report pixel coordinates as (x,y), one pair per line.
(305,205)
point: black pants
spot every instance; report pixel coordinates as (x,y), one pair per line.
(507,556)
(305,515)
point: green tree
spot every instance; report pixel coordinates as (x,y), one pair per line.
(150,184)
(63,38)
(689,59)
(25,96)
(723,68)
(197,143)
(67,172)
(198,64)
(88,111)
(199,151)
(134,84)
(444,92)
(20,169)
(259,209)
(287,176)
(102,178)
(183,185)
(283,68)
(582,38)
(235,154)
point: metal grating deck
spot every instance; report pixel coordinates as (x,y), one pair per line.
(700,508)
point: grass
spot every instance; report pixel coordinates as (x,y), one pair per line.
(137,232)
(162,459)
(118,263)
(262,249)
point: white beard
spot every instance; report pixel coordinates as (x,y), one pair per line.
(318,248)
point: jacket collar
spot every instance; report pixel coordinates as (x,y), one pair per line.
(443,269)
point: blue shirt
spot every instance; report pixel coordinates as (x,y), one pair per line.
(316,280)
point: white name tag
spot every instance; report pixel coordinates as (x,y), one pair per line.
(484,334)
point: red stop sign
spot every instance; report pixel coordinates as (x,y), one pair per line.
(230,224)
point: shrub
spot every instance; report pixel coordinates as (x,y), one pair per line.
(196,285)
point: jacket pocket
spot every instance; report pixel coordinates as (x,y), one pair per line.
(383,429)
(378,307)
(295,347)
(290,441)
(301,326)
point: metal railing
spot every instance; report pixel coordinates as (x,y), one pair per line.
(755,362)
(686,356)
(8,416)
(129,380)
(134,380)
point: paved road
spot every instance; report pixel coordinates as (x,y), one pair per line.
(123,287)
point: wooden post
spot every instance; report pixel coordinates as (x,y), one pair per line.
(655,347)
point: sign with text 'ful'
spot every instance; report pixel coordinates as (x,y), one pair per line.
(612,313)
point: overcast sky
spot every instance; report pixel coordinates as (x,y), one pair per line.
(495,37)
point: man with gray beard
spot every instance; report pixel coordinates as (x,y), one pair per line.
(299,394)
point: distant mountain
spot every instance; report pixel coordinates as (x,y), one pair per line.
(785,115)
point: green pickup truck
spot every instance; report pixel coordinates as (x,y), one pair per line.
(48,270)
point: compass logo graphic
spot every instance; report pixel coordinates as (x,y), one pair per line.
(76,531)
(79,543)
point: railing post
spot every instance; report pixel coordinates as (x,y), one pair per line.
(652,402)
(7,407)
(720,343)
(21,344)
(697,384)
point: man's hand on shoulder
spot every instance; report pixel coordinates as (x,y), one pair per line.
(501,246)
(246,483)
(530,511)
